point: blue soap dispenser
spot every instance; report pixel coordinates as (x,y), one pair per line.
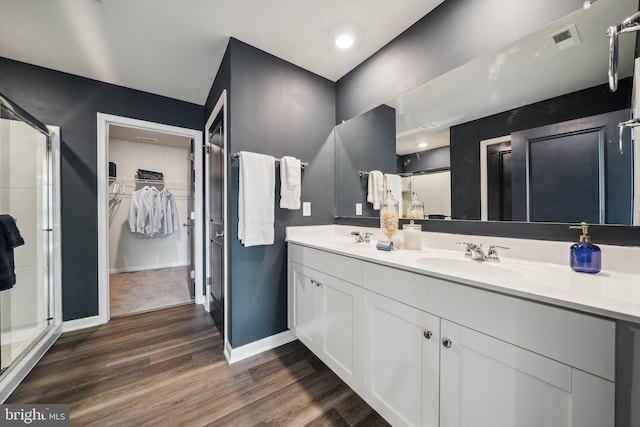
(585,256)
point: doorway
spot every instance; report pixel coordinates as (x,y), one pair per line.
(150,232)
(499,181)
(216,214)
(184,251)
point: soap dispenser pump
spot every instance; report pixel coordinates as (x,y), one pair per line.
(585,256)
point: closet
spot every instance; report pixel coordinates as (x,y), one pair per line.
(150,226)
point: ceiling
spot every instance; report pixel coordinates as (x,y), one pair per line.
(174,47)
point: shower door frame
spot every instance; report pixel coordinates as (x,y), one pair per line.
(21,367)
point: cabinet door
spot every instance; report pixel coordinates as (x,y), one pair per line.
(400,361)
(488,382)
(301,308)
(339,333)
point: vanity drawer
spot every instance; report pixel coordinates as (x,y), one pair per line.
(580,340)
(340,266)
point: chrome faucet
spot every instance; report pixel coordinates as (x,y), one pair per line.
(492,253)
(361,237)
(476,252)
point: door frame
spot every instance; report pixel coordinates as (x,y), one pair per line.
(102,172)
(484,190)
(221,105)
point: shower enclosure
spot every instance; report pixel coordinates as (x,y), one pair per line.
(30,318)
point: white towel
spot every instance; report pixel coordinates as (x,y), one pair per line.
(374,190)
(290,183)
(394,183)
(256,199)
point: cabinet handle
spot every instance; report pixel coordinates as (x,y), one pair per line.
(446,342)
(315,282)
(427,334)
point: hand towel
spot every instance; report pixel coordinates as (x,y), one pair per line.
(374,191)
(256,199)
(394,183)
(290,183)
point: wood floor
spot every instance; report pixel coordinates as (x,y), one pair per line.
(166,368)
(147,290)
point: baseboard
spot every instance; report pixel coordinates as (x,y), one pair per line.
(234,355)
(85,322)
(146,267)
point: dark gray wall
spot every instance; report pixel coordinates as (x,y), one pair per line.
(279,109)
(465,138)
(366,142)
(72,102)
(453,34)
(429,160)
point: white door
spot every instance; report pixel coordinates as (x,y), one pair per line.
(486,382)
(338,305)
(401,361)
(303,323)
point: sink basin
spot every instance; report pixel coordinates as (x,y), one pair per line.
(461,265)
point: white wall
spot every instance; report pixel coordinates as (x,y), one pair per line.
(126,251)
(434,189)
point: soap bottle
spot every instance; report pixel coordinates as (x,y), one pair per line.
(585,256)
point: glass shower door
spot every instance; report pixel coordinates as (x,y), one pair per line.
(25,197)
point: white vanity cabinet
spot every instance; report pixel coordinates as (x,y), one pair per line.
(325,313)
(432,352)
(488,382)
(401,361)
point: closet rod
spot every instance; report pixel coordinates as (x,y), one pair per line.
(302,164)
(147,181)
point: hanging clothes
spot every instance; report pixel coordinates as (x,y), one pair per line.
(169,222)
(153,213)
(10,239)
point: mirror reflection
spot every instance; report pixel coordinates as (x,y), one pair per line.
(526,133)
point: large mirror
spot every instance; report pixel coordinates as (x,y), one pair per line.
(526,133)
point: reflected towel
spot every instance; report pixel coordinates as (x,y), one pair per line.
(256,199)
(394,183)
(374,189)
(290,183)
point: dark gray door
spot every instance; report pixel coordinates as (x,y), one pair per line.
(573,171)
(499,182)
(216,222)
(189,223)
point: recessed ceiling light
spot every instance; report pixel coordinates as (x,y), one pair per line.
(423,145)
(344,41)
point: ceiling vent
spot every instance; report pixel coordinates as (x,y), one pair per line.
(566,38)
(429,126)
(146,139)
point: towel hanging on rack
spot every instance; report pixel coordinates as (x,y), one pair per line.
(10,239)
(256,199)
(290,183)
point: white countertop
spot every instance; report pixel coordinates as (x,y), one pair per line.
(535,270)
